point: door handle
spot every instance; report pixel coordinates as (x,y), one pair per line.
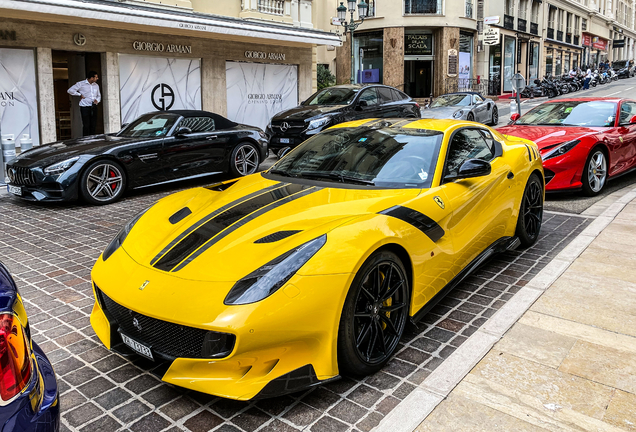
(212,137)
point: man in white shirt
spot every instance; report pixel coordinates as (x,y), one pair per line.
(588,78)
(91,96)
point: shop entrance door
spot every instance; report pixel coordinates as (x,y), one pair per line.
(70,67)
(418,78)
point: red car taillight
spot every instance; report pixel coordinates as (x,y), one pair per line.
(15,359)
(416,104)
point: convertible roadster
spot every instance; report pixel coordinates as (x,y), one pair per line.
(288,278)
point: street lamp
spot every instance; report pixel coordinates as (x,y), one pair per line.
(352,25)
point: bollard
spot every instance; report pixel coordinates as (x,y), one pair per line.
(26,143)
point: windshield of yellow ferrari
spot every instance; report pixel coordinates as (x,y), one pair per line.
(384,157)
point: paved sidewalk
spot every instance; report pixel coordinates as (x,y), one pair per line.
(569,363)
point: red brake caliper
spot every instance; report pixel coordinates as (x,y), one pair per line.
(111,174)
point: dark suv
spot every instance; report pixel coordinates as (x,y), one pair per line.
(335,105)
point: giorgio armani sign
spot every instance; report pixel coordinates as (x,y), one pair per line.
(159,47)
(261,55)
(7,99)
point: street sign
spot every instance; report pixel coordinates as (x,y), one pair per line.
(491,36)
(335,21)
(618,43)
(491,20)
(518,82)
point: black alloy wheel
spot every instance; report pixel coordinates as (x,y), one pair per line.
(470,117)
(102,182)
(244,160)
(530,212)
(495,116)
(374,315)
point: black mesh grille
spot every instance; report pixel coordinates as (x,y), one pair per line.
(21,176)
(165,338)
(288,128)
(549,175)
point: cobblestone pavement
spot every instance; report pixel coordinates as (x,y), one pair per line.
(50,251)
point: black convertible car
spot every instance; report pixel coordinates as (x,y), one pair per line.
(334,105)
(159,147)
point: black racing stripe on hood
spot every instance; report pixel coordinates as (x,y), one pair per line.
(420,221)
(218,223)
(213,215)
(245,220)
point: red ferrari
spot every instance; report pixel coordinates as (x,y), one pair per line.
(583,141)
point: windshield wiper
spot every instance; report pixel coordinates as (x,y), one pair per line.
(281,173)
(335,176)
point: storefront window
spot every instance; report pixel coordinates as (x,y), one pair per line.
(465,59)
(566,63)
(368,51)
(557,64)
(494,76)
(510,51)
(534,61)
(18,96)
(575,61)
(548,61)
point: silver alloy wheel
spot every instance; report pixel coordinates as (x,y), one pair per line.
(597,171)
(246,160)
(495,116)
(104,182)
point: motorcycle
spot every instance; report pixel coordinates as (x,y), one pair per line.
(532,90)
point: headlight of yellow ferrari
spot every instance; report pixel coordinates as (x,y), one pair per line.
(121,236)
(269,278)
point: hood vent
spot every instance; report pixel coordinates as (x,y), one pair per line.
(220,187)
(180,215)
(277,236)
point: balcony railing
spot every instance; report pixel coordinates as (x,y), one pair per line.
(559,35)
(576,40)
(550,33)
(521,24)
(534,28)
(274,7)
(568,38)
(509,22)
(422,7)
(469,9)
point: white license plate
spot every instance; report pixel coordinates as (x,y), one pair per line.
(283,140)
(15,190)
(139,348)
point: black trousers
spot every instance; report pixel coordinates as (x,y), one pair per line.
(89,119)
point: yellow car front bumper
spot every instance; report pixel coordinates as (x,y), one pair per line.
(284,343)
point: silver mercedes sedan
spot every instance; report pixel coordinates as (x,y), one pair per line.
(463,106)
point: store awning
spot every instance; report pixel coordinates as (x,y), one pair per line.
(116,14)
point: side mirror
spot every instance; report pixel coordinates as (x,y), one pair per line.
(514,117)
(183,131)
(362,104)
(632,120)
(471,168)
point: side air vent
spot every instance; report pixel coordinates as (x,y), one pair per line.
(220,187)
(180,215)
(279,235)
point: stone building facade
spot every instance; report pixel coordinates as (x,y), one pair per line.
(198,60)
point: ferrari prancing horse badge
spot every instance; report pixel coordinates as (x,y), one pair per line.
(439,201)
(141,288)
